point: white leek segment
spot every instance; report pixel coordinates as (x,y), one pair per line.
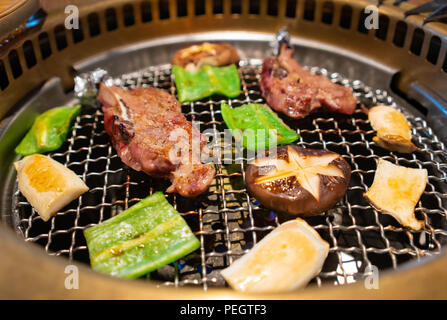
(286,259)
(47,185)
(393,129)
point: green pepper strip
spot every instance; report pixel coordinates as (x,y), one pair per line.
(141,239)
(245,121)
(193,86)
(48,131)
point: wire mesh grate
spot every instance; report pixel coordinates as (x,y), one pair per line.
(227,220)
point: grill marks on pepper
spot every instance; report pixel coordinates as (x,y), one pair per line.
(138,239)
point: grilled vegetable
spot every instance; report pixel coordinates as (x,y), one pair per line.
(141,239)
(47,185)
(298,181)
(193,86)
(286,259)
(256,126)
(213,54)
(396,191)
(289,88)
(393,130)
(149,133)
(49,131)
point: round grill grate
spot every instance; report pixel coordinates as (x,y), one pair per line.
(227,220)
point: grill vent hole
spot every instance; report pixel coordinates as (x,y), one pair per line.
(60,37)
(28,52)
(78,34)
(346,17)
(272,8)
(361,27)
(254,7)
(146,12)
(93,24)
(309,10)
(3,77)
(328,13)
(14,62)
(236,7)
(444,66)
(291,8)
(418,40)
(111,20)
(163,8)
(400,33)
(44,43)
(182,8)
(433,50)
(200,7)
(217,7)
(381,33)
(128,15)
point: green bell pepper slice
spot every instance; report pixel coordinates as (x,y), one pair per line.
(148,235)
(208,80)
(245,123)
(48,131)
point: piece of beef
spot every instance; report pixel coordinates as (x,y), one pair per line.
(290,89)
(149,131)
(193,57)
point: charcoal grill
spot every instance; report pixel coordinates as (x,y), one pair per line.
(402,63)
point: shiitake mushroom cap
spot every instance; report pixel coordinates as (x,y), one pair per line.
(288,196)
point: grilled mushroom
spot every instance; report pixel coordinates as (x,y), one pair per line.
(393,130)
(396,191)
(47,184)
(299,181)
(192,58)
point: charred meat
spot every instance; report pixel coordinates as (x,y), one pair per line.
(150,134)
(196,56)
(290,89)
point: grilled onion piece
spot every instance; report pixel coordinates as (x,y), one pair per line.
(396,191)
(286,259)
(299,181)
(213,54)
(393,130)
(47,185)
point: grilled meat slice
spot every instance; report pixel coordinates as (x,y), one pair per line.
(290,89)
(150,134)
(193,57)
